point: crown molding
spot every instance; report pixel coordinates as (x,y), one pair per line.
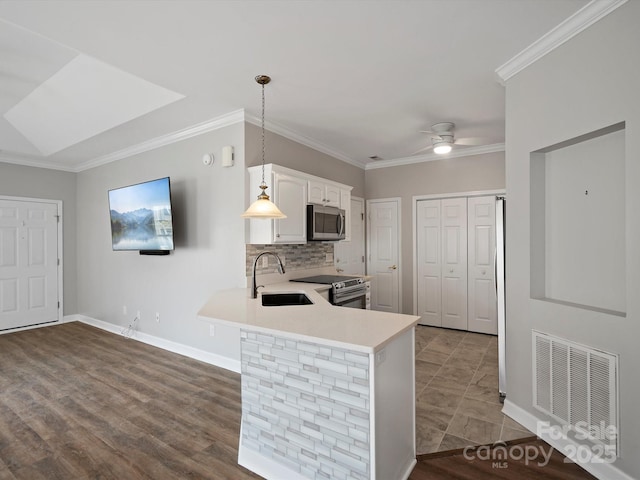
(465,152)
(32,161)
(297,137)
(231,119)
(189,132)
(582,19)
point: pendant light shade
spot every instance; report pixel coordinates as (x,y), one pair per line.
(263,207)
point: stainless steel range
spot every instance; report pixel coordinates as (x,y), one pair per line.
(345,291)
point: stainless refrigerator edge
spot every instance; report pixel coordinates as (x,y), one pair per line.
(500,295)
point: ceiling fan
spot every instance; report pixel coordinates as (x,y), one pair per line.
(443,140)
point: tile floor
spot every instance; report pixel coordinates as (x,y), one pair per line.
(457,400)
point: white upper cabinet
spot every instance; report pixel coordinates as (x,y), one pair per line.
(291,190)
(345,204)
(323,193)
(316,193)
(289,193)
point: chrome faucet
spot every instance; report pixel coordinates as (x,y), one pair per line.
(254,287)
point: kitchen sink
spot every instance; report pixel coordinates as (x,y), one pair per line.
(282,299)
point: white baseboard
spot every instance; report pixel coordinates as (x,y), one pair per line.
(264,466)
(179,348)
(604,471)
(272,470)
(409,469)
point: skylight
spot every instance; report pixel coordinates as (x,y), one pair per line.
(84,98)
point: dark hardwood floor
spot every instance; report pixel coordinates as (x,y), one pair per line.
(526,459)
(80,403)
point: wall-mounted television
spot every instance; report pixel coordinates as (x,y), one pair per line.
(141,217)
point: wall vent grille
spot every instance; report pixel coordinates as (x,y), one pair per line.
(577,386)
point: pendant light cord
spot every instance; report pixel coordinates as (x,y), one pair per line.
(263,150)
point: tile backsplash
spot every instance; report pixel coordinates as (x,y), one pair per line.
(294,256)
(306,406)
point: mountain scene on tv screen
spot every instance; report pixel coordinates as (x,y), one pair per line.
(142,229)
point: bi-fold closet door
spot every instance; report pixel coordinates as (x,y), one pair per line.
(455,255)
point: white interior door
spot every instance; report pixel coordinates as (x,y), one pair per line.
(482,246)
(454,263)
(429,265)
(384,254)
(28,263)
(349,255)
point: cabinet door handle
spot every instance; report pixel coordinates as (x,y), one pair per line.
(393,267)
(277,235)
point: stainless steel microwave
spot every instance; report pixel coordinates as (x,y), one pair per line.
(325,223)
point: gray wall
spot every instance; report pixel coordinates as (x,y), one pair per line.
(42,183)
(473,173)
(290,154)
(209,242)
(588,83)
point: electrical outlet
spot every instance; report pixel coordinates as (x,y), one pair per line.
(157,316)
(329,257)
(124,309)
(265,262)
(212,330)
(138,315)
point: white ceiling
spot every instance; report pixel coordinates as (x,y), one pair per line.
(354,78)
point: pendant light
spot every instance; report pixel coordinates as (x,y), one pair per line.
(263,207)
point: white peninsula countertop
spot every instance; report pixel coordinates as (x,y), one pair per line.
(361,330)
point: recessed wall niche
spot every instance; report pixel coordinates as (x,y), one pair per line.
(578,249)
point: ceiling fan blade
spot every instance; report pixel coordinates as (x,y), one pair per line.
(421,150)
(433,135)
(471,141)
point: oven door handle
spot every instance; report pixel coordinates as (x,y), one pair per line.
(352,296)
(349,290)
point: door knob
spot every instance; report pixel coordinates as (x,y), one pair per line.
(393,267)
(484,272)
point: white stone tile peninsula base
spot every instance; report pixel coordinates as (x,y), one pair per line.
(310,411)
